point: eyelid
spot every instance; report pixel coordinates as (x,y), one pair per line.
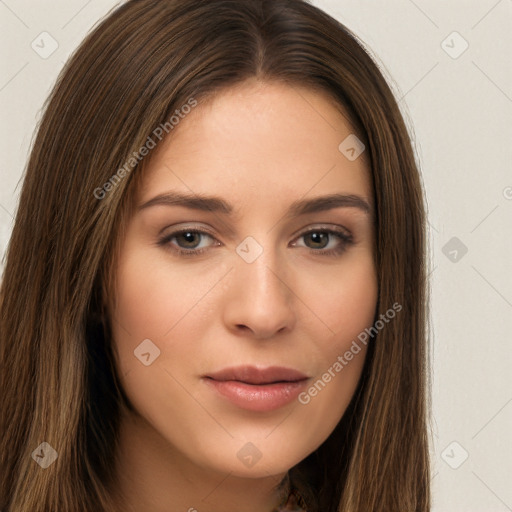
(339,230)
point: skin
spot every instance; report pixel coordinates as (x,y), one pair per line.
(260,146)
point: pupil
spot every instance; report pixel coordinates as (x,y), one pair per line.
(317,237)
(189,237)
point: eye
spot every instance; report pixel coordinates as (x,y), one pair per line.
(188,241)
(326,242)
(320,241)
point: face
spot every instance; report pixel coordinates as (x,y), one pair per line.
(232,314)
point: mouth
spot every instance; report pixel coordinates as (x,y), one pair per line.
(257,389)
(258,376)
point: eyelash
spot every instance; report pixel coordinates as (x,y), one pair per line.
(346,241)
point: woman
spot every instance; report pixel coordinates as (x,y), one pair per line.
(175,333)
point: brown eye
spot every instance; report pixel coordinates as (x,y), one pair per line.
(318,240)
(191,239)
(186,241)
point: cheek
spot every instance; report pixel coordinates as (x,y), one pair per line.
(347,307)
(345,301)
(156,302)
(344,298)
(159,301)
(152,296)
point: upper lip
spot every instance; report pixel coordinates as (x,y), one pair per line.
(254,375)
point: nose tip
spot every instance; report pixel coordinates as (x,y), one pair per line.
(260,302)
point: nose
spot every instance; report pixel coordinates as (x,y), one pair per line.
(260,300)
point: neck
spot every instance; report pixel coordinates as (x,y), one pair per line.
(152,475)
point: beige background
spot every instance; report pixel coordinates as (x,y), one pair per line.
(458,105)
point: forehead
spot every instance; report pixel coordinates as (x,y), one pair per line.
(259,140)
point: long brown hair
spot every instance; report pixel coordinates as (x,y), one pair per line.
(58,378)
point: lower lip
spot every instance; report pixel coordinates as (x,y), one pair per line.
(260,397)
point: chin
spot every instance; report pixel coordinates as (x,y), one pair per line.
(258,459)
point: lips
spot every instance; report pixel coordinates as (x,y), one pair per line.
(258,376)
(257,389)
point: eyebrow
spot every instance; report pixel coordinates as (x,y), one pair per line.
(219,205)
